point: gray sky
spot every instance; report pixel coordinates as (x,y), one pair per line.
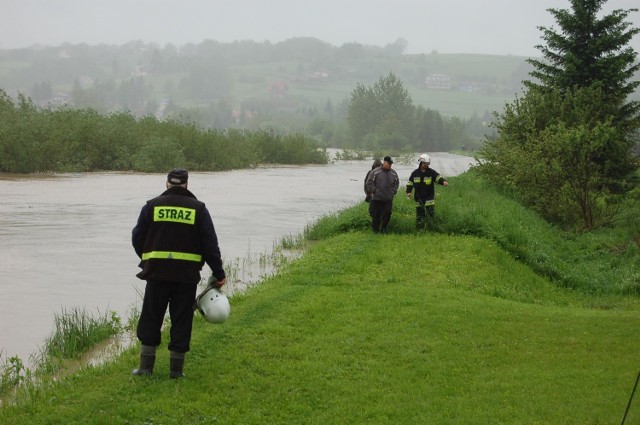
(448,26)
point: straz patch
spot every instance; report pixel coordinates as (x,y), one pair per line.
(175,214)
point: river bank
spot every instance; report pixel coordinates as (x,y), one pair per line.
(67,237)
(350,324)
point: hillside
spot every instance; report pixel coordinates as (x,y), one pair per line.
(232,83)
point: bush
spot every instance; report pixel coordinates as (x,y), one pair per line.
(67,140)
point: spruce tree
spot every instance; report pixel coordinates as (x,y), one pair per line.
(591,50)
(566,146)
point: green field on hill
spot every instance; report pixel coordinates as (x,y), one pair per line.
(479,83)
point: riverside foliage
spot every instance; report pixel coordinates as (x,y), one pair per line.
(569,146)
(35,140)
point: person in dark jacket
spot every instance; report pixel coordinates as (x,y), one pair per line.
(173,238)
(382,184)
(423,180)
(367,198)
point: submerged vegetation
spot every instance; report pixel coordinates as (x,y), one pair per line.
(36,140)
(76,331)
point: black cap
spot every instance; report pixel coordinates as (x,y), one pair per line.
(388,159)
(178,176)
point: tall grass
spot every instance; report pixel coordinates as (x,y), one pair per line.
(76,330)
(606,261)
(13,373)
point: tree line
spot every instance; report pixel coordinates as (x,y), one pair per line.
(37,140)
(227,85)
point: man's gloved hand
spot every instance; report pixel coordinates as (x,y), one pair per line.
(213,282)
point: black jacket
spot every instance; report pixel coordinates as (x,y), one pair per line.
(423,182)
(174,237)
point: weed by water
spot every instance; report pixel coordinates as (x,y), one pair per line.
(76,331)
(12,373)
(291,242)
(244,272)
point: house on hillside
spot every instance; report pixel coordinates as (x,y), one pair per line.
(239,116)
(438,82)
(319,75)
(139,71)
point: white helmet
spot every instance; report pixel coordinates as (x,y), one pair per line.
(213,305)
(424,158)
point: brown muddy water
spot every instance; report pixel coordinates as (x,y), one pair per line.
(66,238)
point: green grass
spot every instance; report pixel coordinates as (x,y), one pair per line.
(458,103)
(604,264)
(377,329)
(404,328)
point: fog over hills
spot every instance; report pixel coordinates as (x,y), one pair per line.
(497,27)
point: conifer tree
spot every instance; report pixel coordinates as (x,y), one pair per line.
(567,145)
(591,50)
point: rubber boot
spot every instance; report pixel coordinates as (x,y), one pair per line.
(147,361)
(176,364)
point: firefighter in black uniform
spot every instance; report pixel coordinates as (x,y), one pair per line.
(423,180)
(174,237)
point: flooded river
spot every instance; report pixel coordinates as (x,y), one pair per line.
(66,239)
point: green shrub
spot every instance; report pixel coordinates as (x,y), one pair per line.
(69,140)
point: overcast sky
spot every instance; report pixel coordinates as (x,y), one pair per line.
(447,26)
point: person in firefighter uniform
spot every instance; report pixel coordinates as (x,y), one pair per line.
(174,237)
(422,181)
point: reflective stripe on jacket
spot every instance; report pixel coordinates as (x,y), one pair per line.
(174,237)
(424,184)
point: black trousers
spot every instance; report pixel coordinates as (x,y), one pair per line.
(425,214)
(380,215)
(179,297)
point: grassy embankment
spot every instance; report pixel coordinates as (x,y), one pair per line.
(403,328)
